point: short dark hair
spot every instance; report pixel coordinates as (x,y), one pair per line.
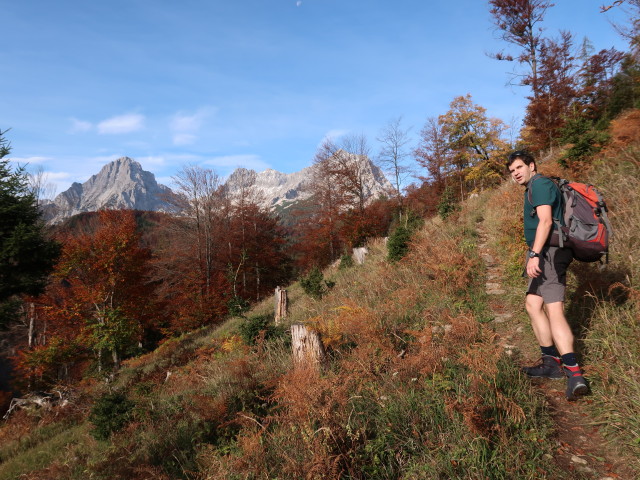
(523,155)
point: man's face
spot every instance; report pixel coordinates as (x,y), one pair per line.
(521,172)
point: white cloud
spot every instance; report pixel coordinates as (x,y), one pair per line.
(156,161)
(127,123)
(80,126)
(333,135)
(184,139)
(185,126)
(298,3)
(250,161)
(58,176)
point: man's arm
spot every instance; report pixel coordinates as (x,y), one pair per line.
(545,224)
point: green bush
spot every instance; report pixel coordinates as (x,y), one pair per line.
(237,306)
(398,243)
(346,261)
(448,203)
(110,414)
(585,141)
(315,285)
(253,327)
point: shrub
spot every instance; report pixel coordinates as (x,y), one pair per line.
(584,139)
(110,414)
(237,306)
(448,203)
(398,243)
(315,285)
(254,327)
(346,261)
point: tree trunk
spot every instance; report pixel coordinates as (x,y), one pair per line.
(281,304)
(31,309)
(307,346)
(116,359)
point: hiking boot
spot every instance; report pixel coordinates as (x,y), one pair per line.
(547,367)
(576,383)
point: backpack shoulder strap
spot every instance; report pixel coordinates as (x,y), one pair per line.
(559,183)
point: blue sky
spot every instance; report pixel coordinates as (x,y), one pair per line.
(253,83)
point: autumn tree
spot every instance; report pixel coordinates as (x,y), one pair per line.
(346,162)
(556,92)
(517,23)
(261,242)
(190,264)
(99,301)
(316,235)
(463,146)
(108,276)
(433,153)
(394,140)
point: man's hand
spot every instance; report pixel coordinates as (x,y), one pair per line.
(533,267)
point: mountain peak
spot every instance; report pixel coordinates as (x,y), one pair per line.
(124,184)
(120,184)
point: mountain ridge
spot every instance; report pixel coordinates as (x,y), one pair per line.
(124,184)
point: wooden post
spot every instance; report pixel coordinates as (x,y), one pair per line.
(281,304)
(307,346)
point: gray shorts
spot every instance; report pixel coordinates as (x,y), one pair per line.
(552,282)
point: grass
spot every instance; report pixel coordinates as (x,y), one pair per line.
(416,386)
(42,449)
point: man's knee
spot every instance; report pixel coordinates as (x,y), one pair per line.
(533,304)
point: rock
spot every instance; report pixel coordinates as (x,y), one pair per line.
(121,184)
(576,459)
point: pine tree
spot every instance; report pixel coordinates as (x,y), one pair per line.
(26,254)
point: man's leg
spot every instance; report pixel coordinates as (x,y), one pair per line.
(539,319)
(551,327)
(559,327)
(550,365)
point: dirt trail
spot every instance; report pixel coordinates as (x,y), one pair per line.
(580,448)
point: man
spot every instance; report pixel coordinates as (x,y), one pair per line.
(546,268)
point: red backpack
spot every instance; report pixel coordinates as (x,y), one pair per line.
(586,229)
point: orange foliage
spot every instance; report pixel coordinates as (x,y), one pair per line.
(624,131)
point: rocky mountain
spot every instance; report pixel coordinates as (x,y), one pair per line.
(121,184)
(279,190)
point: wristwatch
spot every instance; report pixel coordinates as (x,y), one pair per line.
(533,254)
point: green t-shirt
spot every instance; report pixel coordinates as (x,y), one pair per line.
(543,192)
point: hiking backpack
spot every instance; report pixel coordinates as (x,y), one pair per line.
(586,229)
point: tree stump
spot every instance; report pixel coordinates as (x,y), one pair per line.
(307,346)
(281,304)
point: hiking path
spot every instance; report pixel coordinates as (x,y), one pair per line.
(580,448)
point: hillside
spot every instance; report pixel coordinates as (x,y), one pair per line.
(422,379)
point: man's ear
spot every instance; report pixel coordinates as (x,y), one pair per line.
(532,167)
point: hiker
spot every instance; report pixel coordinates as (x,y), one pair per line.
(546,267)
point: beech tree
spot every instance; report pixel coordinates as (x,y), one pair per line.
(598,81)
(517,22)
(99,301)
(393,154)
(346,163)
(463,146)
(107,273)
(190,265)
(318,219)
(433,152)
(557,91)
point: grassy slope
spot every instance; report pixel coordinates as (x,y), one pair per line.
(415,387)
